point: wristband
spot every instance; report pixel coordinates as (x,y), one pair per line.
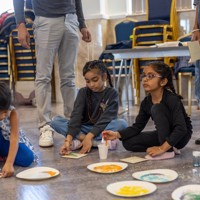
(195,30)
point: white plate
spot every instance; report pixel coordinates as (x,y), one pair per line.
(114,188)
(121,164)
(156,175)
(189,190)
(38,173)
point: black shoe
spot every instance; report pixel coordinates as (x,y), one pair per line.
(197,141)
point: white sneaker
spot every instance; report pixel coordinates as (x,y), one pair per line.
(46,136)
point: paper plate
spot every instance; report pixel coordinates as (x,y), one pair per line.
(107,167)
(131,188)
(38,173)
(187,192)
(156,175)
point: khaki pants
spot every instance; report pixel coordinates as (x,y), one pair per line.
(55,35)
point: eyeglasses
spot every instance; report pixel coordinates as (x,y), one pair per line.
(149,76)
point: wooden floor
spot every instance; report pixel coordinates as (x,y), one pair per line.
(76,182)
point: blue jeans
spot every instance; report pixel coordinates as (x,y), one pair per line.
(24,155)
(60,125)
(197,81)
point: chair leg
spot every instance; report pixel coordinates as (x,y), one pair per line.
(189,79)
(119,74)
(179,83)
(126,85)
(189,94)
(136,82)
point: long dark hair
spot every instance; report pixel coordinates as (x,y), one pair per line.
(5,96)
(165,71)
(101,66)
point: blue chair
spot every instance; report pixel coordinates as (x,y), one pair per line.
(122,32)
(183,68)
(6,51)
(23,60)
(160,13)
(160,27)
(4,61)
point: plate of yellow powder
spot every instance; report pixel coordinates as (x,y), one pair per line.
(131,188)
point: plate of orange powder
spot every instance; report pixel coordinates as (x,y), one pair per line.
(38,173)
(107,167)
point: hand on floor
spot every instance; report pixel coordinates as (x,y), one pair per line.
(8,170)
(86,145)
(154,151)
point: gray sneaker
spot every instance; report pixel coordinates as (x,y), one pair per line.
(46,136)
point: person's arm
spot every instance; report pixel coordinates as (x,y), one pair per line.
(8,168)
(140,122)
(157,150)
(19,11)
(23,34)
(86,36)
(196,31)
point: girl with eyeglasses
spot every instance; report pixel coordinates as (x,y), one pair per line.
(173,128)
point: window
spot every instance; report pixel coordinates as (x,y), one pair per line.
(138,6)
(6,5)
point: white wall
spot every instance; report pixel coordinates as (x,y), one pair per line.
(94,9)
(5,5)
(120,8)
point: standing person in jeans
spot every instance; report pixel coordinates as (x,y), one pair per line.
(196,36)
(56,31)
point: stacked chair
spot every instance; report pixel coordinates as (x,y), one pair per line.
(4,61)
(161,26)
(16,63)
(23,63)
(23,60)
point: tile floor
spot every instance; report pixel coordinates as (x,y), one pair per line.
(76,182)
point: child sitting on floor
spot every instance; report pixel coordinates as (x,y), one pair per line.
(15,148)
(164,106)
(95,110)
